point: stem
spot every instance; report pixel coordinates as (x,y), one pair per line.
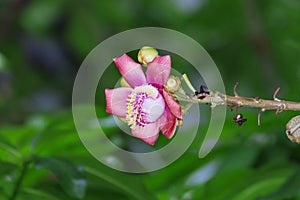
(19,180)
(240,101)
(188,83)
(217,98)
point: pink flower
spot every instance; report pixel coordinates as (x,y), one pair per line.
(147,107)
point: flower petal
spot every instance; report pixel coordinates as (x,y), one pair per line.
(168,123)
(148,133)
(175,108)
(130,70)
(116,100)
(158,70)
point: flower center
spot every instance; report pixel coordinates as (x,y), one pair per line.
(144,105)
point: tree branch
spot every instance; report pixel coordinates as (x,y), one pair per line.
(216,98)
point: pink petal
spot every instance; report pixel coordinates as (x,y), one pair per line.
(168,123)
(116,100)
(175,108)
(130,70)
(148,133)
(158,70)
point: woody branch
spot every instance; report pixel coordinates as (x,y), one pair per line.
(216,98)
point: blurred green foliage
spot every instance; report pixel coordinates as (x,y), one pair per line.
(42,46)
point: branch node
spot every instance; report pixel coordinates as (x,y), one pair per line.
(257,99)
(275,94)
(234,89)
(280,108)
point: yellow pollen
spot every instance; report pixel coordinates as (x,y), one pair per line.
(148,89)
(135,116)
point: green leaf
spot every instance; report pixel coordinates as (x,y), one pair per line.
(262,186)
(290,188)
(14,140)
(127,183)
(38,193)
(31,19)
(6,167)
(57,134)
(7,170)
(238,157)
(70,177)
(8,147)
(247,184)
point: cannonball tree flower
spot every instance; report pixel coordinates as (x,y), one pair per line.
(146,106)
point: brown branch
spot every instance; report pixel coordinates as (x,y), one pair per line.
(217,98)
(239,101)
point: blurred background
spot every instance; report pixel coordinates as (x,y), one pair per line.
(43,43)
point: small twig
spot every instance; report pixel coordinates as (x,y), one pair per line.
(258,117)
(234,89)
(275,94)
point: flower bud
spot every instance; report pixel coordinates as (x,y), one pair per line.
(179,122)
(147,54)
(173,84)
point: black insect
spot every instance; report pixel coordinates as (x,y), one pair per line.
(204,91)
(239,119)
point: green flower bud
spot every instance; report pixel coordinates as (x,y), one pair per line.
(147,54)
(173,84)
